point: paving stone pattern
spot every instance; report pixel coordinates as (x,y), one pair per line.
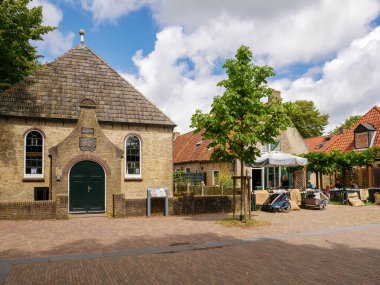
(337,246)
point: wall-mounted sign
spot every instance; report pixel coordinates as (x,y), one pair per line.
(361,140)
(87,144)
(88,131)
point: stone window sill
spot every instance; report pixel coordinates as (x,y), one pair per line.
(137,179)
(33,179)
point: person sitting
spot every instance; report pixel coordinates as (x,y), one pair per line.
(354,185)
(327,191)
(285,182)
(309,185)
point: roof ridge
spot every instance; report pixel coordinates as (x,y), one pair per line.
(129,84)
(186,133)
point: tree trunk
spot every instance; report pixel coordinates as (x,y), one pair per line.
(317,180)
(234,198)
(243,195)
(321,179)
(249,199)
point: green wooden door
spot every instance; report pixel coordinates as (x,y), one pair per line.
(87,181)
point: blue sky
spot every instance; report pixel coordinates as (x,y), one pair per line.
(173,51)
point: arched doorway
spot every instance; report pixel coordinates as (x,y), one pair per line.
(87,188)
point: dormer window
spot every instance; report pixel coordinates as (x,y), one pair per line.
(364,136)
(200,142)
(319,146)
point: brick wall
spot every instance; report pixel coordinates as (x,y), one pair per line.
(156,156)
(118,206)
(156,147)
(31,210)
(62,203)
(137,207)
(204,204)
(184,205)
(13,185)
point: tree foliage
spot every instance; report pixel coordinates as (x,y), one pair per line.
(306,118)
(348,123)
(239,119)
(337,161)
(18,26)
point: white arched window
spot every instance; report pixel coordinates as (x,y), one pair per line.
(34,155)
(133,157)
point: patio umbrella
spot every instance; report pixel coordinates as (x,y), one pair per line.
(278,158)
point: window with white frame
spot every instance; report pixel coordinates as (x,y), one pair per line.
(34,155)
(133,156)
(215,177)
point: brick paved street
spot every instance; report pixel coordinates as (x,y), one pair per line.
(306,247)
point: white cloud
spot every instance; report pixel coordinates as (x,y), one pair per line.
(168,79)
(56,42)
(350,82)
(195,36)
(111,10)
(283,31)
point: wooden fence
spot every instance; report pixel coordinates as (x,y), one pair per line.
(202,190)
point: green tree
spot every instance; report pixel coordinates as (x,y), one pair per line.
(320,163)
(239,119)
(18,26)
(337,161)
(348,123)
(306,118)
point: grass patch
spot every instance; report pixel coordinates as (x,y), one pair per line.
(368,203)
(252,223)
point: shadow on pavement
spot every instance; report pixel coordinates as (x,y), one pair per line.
(264,262)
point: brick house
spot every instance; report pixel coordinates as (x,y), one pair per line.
(191,154)
(76,129)
(360,136)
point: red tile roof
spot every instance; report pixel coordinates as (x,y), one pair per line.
(191,147)
(346,140)
(321,143)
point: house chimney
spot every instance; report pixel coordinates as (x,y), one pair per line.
(342,130)
(81,33)
(276,95)
(176,135)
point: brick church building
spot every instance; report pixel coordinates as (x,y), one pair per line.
(77,130)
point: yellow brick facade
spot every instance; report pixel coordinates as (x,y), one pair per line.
(61,140)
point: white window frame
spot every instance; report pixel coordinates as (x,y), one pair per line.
(132,176)
(43,156)
(213,176)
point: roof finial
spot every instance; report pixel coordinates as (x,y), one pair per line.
(81,32)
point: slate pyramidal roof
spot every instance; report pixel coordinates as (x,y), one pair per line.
(56,90)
